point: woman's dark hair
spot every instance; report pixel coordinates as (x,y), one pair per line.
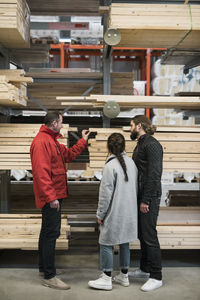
(51,116)
(145,122)
(116,145)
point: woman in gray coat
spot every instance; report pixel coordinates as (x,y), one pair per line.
(117,212)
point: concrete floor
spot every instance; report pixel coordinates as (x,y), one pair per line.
(19,279)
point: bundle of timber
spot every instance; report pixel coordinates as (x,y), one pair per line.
(15,141)
(21,231)
(14,23)
(13,87)
(181,147)
(50,83)
(156,25)
(132,101)
(37,53)
(178,228)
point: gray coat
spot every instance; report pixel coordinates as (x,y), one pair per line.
(117,205)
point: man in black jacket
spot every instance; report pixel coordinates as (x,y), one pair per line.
(148,156)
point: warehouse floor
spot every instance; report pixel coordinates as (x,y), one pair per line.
(19,278)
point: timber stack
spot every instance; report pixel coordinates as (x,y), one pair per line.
(14,24)
(156,25)
(13,87)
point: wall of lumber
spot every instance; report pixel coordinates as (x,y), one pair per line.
(14,23)
(156,25)
(181,147)
(13,88)
(15,141)
(21,231)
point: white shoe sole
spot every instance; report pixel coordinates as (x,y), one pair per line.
(149,290)
(126,284)
(100,287)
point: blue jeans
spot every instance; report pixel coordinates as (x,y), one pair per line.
(106,257)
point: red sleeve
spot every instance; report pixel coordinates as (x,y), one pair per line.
(73,152)
(41,169)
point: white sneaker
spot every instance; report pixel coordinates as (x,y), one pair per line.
(138,274)
(151,285)
(122,279)
(103,283)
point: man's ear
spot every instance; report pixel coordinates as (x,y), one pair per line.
(53,123)
(139,125)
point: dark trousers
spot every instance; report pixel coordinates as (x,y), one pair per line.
(50,231)
(150,248)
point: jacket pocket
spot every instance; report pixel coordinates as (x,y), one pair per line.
(58,172)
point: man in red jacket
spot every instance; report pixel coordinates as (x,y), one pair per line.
(48,159)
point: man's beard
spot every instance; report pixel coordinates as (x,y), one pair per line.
(134,135)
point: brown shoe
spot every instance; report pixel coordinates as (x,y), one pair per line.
(55,283)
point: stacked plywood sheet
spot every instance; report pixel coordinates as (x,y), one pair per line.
(181,147)
(128,102)
(14,23)
(13,87)
(156,25)
(15,141)
(21,231)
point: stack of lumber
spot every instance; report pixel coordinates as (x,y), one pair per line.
(14,23)
(64,7)
(132,101)
(181,147)
(50,83)
(15,141)
(35,54)
(178,228)
(21,231)
(13,87)
(156,25)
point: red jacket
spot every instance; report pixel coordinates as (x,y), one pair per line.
(48,159)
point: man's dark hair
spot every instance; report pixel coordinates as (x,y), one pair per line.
(50,117)
(145,122)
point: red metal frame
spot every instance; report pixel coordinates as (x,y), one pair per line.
(143,55)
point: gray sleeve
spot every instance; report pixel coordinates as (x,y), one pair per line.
(106,190)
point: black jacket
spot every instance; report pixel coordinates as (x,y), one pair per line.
(148,156)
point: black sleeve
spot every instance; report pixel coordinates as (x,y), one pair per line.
(152,183)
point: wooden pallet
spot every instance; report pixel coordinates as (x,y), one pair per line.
(21,231)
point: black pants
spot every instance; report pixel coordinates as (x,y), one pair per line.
(150,248)
(50,231)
